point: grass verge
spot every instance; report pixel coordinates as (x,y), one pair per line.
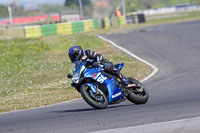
(33,71)
(174,17)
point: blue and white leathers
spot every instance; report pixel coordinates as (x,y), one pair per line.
(80,73)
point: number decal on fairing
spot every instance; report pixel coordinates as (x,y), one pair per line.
(101,79)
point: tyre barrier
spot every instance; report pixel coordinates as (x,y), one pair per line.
(64,29)
(32,32)
(61,28)
(135,18)
(49,29)
(141,18)
(81,26)
(105,23)
(131,19)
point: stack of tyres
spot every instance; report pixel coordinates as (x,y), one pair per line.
(117,21)
(122,20)
(49,29)
(105,23)
(77,27)
(130,19)
(88,25)
(33,32)
(141,18)
(64,29)
(95,23)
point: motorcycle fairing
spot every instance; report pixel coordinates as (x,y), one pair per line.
(120,66)
(114,92)
(91,85)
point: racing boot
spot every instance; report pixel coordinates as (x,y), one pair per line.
(125,81)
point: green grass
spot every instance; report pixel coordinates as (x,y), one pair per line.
(11,32)
(175,17)
(33,71)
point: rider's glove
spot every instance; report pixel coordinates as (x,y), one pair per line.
(114,69)
(84,57)
(95,64)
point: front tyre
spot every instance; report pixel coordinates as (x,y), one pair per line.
(138,95)
(98,100)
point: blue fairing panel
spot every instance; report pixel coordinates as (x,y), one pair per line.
(120,66)
(114,92)
(90,73)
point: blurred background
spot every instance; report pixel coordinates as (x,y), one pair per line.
(54,11)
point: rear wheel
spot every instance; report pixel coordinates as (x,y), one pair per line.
(97,100)
(138,95)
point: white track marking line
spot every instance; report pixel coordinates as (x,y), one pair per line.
(181,126)
(155,69)
(165,127)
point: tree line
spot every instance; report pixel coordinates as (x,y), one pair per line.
(131,5)
(134,5)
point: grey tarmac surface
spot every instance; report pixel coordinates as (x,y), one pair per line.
(178,126)
(174,90)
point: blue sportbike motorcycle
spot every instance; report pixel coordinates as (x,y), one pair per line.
(99,88)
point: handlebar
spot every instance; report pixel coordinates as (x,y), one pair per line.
(95,64)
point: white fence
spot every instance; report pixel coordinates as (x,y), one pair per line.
(174,9)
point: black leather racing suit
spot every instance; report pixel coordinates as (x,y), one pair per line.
(108,66)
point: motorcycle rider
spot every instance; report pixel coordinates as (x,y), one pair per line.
(76,53)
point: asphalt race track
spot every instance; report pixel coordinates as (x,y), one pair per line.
(174,90)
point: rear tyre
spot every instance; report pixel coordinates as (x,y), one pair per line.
(137,95)
(98,101)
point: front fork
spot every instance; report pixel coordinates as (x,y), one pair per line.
(94,92)
(91,85)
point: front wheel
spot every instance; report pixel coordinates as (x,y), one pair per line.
(138,95)
(97,100)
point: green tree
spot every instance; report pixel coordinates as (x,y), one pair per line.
(175,2)
(16,11)
(134,5)
(48,8)
(197,1)
(76,2)
(3,11)
(147,4)
(87,6)
(131,5)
